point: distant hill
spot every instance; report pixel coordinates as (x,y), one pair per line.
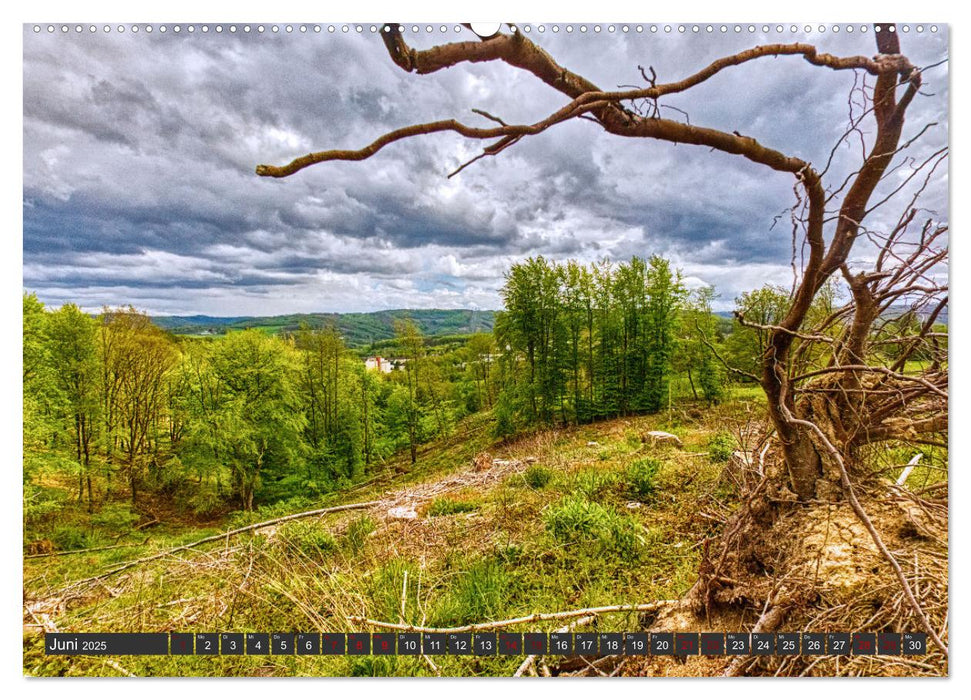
(359,329)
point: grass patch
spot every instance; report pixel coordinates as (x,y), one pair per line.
(357,533)
(479,593)
(593,484)
(721,445)
(69,537)
(640,477)
(577,520)
(448,506)
(537,477)
(385,588)
(313,539)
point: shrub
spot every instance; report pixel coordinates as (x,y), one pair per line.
(115,517)
(373,666)
(639,477)
(39,503)
(203,501)
(721,445)
(576,520)
(509,553)
(69,537)
(505,418)
(447,506)
(537,477)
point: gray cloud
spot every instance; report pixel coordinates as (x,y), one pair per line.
(139,153)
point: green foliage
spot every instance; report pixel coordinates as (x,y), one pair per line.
(136,360)
(509,554)
(575,520)
(640,476)
(593,484)
(481,592)
(448,506)
(67,537)
(385,587)
(721,445)
(357,533)
(115,517)
(701,331)
(204,501)
(587,342)
(40,503)
(665,295)
(537,477)
(357,329)
(505,417)
(372,666)
(246,409)
(309,537)
(764,306)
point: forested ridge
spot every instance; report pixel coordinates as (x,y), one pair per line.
(359,330)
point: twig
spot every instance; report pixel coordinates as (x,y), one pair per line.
(150,523)
(431,663)
(536,617)
(84,551)
(404,596)
(525,666)
(909,468)
(769,621)
(224,536)
(118,667)
(531,659)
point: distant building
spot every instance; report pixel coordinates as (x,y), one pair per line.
(379,364)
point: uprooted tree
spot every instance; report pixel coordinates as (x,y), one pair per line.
(874,370)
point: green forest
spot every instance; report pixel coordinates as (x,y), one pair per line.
(127,411)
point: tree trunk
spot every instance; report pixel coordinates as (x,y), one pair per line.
(803,463)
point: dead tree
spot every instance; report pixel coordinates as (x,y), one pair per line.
(851,400)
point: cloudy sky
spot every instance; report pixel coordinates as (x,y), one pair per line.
(140,149)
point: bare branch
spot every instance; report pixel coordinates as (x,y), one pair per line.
(536,617)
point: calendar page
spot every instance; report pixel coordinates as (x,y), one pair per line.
(485,350)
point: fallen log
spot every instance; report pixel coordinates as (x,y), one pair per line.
(65,552)
(223,536)
(535,617)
